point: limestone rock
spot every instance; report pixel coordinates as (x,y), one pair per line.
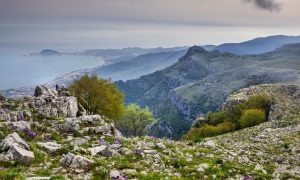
(50,147)
(101,150)
(13,139)
(19,125)
(44,91)
(17,153)
(114,174)
(73,161)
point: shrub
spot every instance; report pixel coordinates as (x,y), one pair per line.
(252,117)
(98,96)
(218,117)
(135,121)
(262,102)
(209,130)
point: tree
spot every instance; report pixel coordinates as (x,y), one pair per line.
(98,96)
(252,117)
(135,121)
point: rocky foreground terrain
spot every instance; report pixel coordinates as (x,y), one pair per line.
(49,136)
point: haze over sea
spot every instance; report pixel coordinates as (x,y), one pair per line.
(26,70)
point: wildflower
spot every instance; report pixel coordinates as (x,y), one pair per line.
(31,134)
(137,152)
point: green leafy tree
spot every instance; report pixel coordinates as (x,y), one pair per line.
(135,121)
(252,117)
(98,96)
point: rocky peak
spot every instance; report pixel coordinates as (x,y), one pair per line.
(195,50)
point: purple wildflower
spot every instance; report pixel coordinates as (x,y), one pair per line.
(247,178)
(20,117)
(137,152)
(31,134)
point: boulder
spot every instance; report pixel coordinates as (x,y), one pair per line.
(92,119)
(13,139)
(49,103)
(70,125)
(105,129)
(101,150)
(50,147)
(74,162)
(19,154)
(45,91)
(19,125)
(114,174)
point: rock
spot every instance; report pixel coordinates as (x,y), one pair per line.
(105,129)
(20,125)
(150,152)
(44,91)
(19,154)
(49,103)
(200,121)
(280,159)
(101,150)
(125,151)
(114,174)
(258,167)
(129,171)
(200,169)
(38,178)
(160,145)
(70,125)
(2,98)
(204,165)
(79,141)
(13,139)
(73,161)
(81,110)
(50,147)
(92,119)
(209,144)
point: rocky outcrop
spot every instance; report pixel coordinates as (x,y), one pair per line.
(285,99)
(46,102)
(45,91)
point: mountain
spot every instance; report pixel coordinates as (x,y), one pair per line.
(258,45)
(200,81)
(138,66)
(47,136)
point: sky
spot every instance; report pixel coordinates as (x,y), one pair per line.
(86,24)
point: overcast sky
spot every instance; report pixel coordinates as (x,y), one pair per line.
(83,24)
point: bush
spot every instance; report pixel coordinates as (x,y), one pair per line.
(209,130)
(98,96)
(135,121)
(262,102)
(252,117)
(218,117)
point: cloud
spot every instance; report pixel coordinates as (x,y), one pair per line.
(269,5)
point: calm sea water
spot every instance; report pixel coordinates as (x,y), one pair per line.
(17,70)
